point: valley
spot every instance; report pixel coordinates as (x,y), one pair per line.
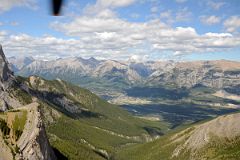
(166,90)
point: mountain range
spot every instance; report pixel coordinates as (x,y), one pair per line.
(220,74)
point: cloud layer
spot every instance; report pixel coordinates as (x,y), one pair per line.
(210,20)
(6,5)
(232,24)
(110,34)
(112,37)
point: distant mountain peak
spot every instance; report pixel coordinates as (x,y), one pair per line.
(92,58)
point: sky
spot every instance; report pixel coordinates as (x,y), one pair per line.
(122,29)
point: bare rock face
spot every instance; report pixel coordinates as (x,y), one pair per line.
(6,75)
(5,72)
(33,142)
(6,80)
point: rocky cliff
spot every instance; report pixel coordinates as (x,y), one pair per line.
(21,137)
(6,80)
(33,143)
(5,73)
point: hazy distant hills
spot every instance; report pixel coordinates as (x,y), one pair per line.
(216,74)
(20,62)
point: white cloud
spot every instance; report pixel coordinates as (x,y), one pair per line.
(107,4)
(48,46)
(167,14)
(114,3)
(138,58)
(6,5)
(181,15)
(178,53)
(85,24)
(131,40)
(154,9)
(232,24)
(210,20)
(3,34)
(215,5)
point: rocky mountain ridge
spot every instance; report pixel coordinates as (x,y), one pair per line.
(216,74)
(33,142)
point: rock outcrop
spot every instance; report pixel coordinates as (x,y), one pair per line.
(5,72)
(33,143)
(6,81)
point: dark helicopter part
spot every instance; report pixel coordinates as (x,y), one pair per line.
(56,7)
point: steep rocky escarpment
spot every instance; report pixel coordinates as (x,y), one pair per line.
(24,136)
(33,143)
(5,72)
(22,132)
(6,80)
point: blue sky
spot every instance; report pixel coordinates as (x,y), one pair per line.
(123,29)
